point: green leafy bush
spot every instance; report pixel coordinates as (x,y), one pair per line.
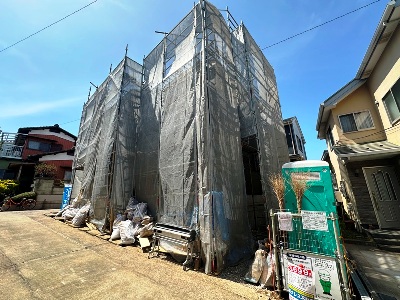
(28,195)
(7,187)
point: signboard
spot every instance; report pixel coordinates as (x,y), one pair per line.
(314,220)
(310,276)
(66,195)
(285,221)
(307,176)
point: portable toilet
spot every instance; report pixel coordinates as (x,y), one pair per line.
(318,202)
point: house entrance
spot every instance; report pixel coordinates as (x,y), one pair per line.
(254,191)
(383,186)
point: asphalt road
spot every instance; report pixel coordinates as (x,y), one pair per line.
(42,258)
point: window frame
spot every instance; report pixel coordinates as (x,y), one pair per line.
(299,144)
(67,175)
(41,146)
(390,91)
(330,138)
(30,146)
(356,112)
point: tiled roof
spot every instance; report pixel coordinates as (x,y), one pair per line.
(55,128)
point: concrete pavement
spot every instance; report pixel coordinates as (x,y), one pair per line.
(381,268)
(41,258)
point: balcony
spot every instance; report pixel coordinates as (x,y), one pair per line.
(9,145)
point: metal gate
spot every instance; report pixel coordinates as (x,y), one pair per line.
(309,256)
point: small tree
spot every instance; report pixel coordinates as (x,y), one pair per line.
(278,187)
(299,186)
(45,170)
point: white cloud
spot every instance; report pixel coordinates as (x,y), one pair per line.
(10,110)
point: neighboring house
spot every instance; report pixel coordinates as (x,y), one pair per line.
(30,141)
(361,124)
(61,159)
(295,139)
(10,152)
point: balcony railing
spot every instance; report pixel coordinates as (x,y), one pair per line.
(8,147)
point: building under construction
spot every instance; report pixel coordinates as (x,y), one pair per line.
(193,132)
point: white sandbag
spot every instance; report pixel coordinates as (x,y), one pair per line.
(267,278)
(136,228)
(131,203)
(59,214)
(146,220)
(256,269)
(127,232)
(146,230)
(75,203)
(115,235)
(81,215)
(137,212)
(70,213)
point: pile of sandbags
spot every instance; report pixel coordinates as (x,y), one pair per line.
(76,212)
(262,270)
(133,224)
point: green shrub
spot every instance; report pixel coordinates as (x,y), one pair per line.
(7,187)
(29,195)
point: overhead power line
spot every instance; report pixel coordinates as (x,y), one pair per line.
(29,36)
(70,121)
(322,24)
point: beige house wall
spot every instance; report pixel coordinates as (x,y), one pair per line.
(359,100)
(332,155)
(384,76)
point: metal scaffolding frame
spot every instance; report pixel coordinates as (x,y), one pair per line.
(170,132)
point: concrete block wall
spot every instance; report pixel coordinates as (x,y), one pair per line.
(48,194)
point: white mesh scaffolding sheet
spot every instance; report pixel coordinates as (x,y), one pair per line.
(105,151)
(189,144)
(175,135)
(260,115)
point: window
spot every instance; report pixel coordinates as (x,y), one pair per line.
(67,175)
(56,147)
(356,121)
(288,132)
(331,141)
(299,144)
(35,145)
(392,102)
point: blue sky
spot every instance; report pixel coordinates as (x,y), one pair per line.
(45,79)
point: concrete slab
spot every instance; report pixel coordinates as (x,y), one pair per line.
(41,258)
(382,268)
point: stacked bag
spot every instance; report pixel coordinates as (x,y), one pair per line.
(133,224)
(76,212)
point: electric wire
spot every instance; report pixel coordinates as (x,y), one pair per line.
(262,49)
(70,121)
(322,24)
(44,28)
